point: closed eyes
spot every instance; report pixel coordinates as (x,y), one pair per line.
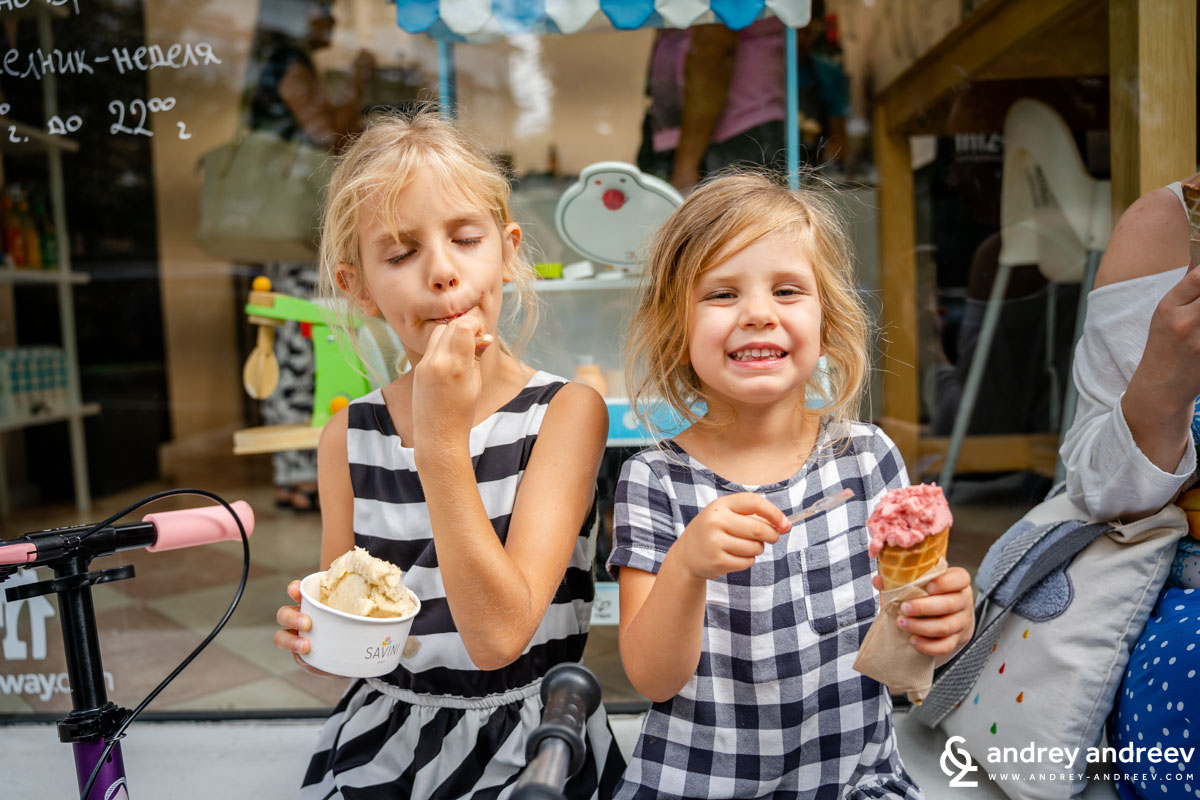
(473,241)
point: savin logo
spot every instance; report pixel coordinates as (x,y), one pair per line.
(384,650)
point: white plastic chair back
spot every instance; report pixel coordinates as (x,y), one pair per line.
(1052,211)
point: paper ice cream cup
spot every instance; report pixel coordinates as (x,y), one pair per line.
(347,644)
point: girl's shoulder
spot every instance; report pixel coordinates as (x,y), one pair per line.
(544,385)
(535,395)
(375,396)
(856,437)
(369,412)
(665,461)
(864,448)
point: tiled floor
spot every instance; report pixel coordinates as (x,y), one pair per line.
(150,623)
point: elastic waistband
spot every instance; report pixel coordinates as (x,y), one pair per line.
(455,701)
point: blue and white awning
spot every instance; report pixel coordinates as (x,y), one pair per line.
(483,20)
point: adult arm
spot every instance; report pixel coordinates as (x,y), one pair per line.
(1128,451)
(708,70)
(325,123)
(834,85)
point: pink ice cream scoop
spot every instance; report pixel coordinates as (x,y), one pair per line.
(904,517)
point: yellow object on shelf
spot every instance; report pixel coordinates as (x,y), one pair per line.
(593,376)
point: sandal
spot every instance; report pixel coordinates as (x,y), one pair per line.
(309,500)
(283,496)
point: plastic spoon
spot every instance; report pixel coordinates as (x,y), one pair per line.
(824,504)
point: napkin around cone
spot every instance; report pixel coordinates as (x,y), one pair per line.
(886,653)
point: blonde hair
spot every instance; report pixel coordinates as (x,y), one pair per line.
(377,167)
(722,217)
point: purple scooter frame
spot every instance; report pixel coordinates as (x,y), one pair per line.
(94,720)
(110,783)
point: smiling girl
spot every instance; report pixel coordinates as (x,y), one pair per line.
(740,627)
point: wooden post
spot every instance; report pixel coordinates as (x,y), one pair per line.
(898,279)
(1152,53)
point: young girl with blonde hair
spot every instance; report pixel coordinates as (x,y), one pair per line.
(741,628)
(472,472)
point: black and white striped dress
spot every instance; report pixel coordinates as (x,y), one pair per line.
(438,727)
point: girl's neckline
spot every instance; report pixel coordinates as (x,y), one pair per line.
(818,444)
(510,401)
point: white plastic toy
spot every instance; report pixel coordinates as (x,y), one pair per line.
(609,214)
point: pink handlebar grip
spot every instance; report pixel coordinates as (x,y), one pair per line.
(22,553)
(193,526)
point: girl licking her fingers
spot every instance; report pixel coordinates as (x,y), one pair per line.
(472,472)
(741,628)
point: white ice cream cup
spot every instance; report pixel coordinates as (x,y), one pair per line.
(347,644)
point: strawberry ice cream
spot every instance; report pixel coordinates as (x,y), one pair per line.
(904,517)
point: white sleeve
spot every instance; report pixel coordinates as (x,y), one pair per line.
(1107,475)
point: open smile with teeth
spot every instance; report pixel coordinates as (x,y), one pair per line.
(757,354)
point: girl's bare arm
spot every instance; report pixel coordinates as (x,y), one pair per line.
(662,616)
(662,628)
(337,529)
(498,593)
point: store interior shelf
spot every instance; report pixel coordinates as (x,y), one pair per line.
(51,276)
(30,139)
(20,423)
(20,139)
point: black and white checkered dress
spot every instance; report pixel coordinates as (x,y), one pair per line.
(775,708)
(438,727)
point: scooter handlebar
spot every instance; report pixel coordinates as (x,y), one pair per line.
(166,530)
(556,749)
(195,526)
(18,553)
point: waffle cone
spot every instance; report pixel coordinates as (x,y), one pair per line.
(901,565)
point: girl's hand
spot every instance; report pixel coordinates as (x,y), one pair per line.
(729,534)
(446,386)
(292,622)
(942,623)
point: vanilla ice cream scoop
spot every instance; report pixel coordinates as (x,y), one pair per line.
(359,583)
